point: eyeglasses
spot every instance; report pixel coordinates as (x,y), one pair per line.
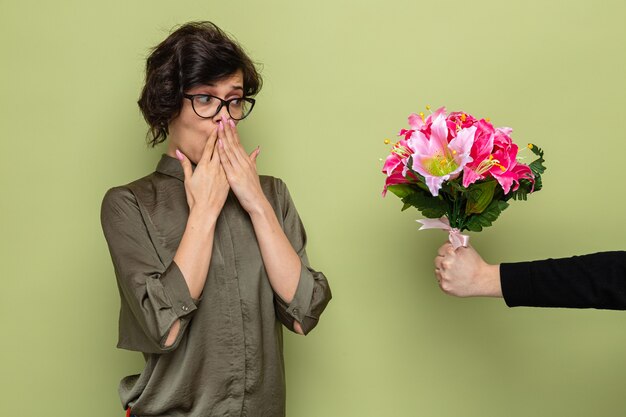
(208,106)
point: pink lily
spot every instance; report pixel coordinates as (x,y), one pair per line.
(508,172)
(395,165)
(436,159)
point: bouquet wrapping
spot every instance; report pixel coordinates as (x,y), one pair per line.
(459,171)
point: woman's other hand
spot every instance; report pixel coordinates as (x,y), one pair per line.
(464,273)
(206,186)
(282,263)
(240,167)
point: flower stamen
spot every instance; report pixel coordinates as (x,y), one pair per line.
(401,151)
(487,164)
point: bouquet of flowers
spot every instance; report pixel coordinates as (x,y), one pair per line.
(459,170)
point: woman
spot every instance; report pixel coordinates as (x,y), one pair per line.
(209,256)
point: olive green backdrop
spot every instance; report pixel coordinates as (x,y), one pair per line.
(339,78)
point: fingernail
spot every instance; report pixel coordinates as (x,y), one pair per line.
(258,149)
(179,155)
(232,123)
(220,125)
(219,142)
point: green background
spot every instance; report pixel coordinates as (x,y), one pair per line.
(339,78)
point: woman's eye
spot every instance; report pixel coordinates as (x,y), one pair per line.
(236,101)
(204,99)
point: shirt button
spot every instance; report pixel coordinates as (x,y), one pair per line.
(295,311)
(185,308)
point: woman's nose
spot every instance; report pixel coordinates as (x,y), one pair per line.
(222,115)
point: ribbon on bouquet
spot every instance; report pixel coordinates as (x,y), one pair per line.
(454,235)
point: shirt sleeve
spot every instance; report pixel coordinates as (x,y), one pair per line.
(313,292)
(590,281)
(153,295)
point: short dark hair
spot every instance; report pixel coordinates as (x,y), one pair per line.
(193,54)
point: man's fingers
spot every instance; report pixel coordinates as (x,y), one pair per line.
(446,249)
(184,161)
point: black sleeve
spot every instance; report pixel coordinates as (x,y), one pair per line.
(590,281)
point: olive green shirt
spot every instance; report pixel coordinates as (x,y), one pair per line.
(228,357)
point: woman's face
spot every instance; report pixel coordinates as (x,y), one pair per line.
(188,132)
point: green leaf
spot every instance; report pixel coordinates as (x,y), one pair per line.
(479,196)
(473,226)
(525,187)
(431,207)
(537,166)
(456,186)
(401,190)
(477,222)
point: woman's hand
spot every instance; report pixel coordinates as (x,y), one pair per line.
(240,168)
(206,186)
(463,273)
(282,263)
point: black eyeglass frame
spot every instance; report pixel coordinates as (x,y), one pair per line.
(223,103)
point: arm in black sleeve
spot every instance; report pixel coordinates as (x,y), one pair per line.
(590,281)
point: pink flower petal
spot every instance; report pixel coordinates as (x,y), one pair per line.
(391,163)
(419,143)
(463,141)
(439,132)
(415,121)
(434,184)
(470,176)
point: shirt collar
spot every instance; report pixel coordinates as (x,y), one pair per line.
(170,166)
